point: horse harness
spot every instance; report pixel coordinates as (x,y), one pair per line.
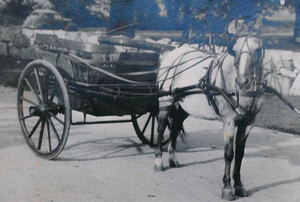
(240,89)
(207,85)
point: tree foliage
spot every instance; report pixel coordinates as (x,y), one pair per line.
(15,11)
(212,14)
(147,16)
(209,15)
(78,11)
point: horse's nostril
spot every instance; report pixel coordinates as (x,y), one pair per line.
(247,84)
(246,81)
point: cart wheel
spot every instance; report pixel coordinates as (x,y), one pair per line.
(43,109)
(148,134)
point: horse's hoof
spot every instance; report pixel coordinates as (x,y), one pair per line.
(240,191)
(227,194)
(173,163)
(158,165)
(158,168)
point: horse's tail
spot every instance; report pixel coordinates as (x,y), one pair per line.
(179,115)
(183,136)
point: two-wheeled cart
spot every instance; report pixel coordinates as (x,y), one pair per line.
(94,79)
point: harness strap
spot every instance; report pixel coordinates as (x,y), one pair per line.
(211,98)
(180,57)
(252,93)
(222,72)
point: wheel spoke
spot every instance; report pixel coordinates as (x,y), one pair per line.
(34,128)
(139,116)
(57,119)
(53,128)
(46,94)
(53,94)
(39,84)
(152,129)
(33,91)
(49,138)
(26,117)
(41,135)
(29,101)
(146,124)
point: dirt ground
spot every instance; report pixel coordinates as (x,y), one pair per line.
(109,163)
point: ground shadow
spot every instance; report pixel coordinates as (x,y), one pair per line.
(271,185)
(196,163)
(103,149)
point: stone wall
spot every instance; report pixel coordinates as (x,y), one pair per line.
(282,70)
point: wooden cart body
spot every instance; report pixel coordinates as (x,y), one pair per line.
(94,92)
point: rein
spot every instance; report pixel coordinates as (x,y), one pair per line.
(167,77)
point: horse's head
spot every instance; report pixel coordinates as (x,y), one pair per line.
(248,55)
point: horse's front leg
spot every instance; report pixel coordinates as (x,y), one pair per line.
(241,137)
(228,133)
(162,123)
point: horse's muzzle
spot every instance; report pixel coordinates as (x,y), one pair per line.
(244,83)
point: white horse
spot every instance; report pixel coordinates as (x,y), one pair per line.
(238,74)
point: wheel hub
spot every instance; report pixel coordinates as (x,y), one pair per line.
(37,111)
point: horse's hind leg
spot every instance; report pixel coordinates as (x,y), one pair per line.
(164,110)
(178,115)
(241,137)
(228,133)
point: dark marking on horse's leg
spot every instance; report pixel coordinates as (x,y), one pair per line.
(178,115)
(241,138)
(228,132)
(173,162)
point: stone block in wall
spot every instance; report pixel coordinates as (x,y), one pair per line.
(24,53)
(296,60)
(3,50)
(14,52)
(295,89)
(28,53)
(280,70)
(21,41)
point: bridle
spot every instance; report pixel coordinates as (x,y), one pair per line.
(244,88)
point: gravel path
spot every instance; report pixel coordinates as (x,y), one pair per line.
(108,163)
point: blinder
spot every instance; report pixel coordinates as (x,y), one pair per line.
(260,55)
(230,47)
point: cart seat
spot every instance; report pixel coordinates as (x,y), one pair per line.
(130,62)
